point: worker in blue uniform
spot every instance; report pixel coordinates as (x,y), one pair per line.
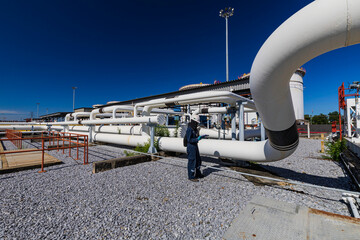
(194,159)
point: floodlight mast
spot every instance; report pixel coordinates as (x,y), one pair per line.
(228,12)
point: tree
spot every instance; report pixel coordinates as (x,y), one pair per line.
(307,117)
(320,119)
(334,116)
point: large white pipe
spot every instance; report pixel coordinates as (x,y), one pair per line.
(133,130)
(244,151)
(320,27)
(129,140)
(297,93)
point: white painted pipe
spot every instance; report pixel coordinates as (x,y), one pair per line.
(126,130)
(124,108)
(320,27)
(244,151)
(75,115)
(193,98)
(129,140)
(23,127)
(159,119)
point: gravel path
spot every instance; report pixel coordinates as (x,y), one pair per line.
(152,200)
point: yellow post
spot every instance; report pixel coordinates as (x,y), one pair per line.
(322,143)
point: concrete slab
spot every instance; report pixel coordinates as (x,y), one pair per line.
(270,219)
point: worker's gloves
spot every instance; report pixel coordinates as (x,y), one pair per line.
(202,136)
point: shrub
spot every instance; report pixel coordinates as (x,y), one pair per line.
(162,131)
(143,148)
(176,129)
(129,154)
(333,149)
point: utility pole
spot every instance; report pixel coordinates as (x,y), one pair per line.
(37,116)
(228,12)
(74,98)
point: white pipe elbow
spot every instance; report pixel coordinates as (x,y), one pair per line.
(320,27)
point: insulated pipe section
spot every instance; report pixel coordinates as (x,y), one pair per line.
(128,140)
(320,27)
(244,151)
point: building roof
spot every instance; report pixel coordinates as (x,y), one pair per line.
(57,114)
(239,86)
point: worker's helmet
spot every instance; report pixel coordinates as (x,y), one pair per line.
(195,118)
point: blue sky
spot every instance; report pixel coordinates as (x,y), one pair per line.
(119,50)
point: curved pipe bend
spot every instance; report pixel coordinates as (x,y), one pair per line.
(320,27)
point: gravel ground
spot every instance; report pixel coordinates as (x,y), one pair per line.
(152,200)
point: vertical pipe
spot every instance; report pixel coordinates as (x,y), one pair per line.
(152,138)
(308,129)
(241,121)
(167,119)
(348,119)
(262,133)
(218,117)
(233,126)
(223,125)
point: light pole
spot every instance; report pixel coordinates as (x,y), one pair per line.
(228,12)
(37,110)
(74,98)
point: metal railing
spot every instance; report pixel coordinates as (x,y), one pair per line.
(16,137)
(56,141)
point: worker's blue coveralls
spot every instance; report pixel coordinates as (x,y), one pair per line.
(194,159)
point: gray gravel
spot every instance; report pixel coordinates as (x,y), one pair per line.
(152,200)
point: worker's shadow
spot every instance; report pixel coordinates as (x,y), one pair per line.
(206,163)
(212,162)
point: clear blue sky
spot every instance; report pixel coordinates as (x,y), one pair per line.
(119,50)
